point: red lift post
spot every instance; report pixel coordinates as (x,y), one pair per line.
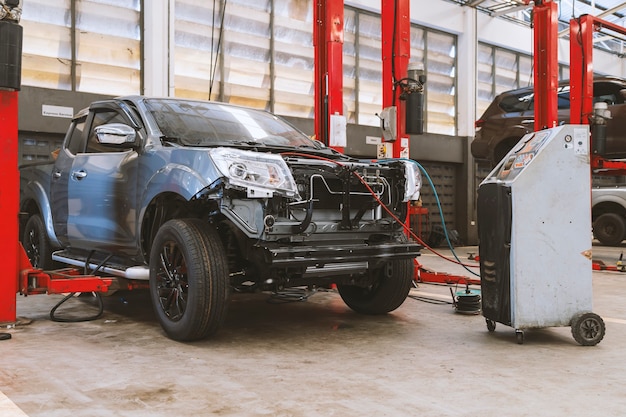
(10,80)
(328,55)
(396,52)
(581,78)
(546,63)
(9,205)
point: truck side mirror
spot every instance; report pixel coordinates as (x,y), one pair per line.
(116,134)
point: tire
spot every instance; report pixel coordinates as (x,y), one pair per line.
(588,329)
(388,292)
(188,279)
(36,244)
(609,229)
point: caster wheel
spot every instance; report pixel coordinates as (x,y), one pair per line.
(588,329)
(519,337)
(491,325)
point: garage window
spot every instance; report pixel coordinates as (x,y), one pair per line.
(502,70)
(88,45)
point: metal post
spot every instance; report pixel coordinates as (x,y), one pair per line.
(10,81)
(9,202)
(396,52)
(546,64)
(581,69)
(328,42)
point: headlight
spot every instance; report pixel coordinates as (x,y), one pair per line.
(413,183)
(261,174)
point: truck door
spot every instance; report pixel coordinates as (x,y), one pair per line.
(102,190)
(74,142)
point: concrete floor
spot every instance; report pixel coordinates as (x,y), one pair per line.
(314,358)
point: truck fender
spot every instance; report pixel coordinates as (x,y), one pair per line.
(608,199)
(177,179)
(36,192)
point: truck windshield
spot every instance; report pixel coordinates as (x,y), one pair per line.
(198,123)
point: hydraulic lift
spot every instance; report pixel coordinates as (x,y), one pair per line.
(545,62)
(581,88)
(402,87)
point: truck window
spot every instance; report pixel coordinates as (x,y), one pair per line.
(75,143)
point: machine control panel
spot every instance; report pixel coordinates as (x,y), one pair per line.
(529,146)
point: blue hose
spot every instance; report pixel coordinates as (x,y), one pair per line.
(443,222)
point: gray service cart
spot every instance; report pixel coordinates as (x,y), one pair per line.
(534,226)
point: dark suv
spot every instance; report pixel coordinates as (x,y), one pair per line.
(511,115)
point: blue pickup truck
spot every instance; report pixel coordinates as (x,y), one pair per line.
(203,198)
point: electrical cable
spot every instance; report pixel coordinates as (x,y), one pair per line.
(466,302)
(443,223)
(429,300)
(393,51)
(97,296)
(212,48)
(100,306)
(213,64)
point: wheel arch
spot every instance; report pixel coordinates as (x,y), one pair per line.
(607,207)
(170,193)
(35,201)
(167,206)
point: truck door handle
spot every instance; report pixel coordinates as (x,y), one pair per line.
(79,175)
(56,174)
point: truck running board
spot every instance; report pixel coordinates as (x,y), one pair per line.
(134,272)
